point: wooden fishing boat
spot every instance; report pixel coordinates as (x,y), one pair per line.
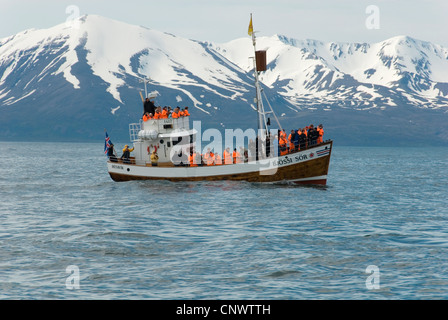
(175,143)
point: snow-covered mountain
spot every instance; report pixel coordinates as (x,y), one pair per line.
(73,80)
(397,71)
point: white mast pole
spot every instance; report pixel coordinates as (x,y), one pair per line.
(145,81)
(260,110)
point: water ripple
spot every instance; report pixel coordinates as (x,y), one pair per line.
(224,240)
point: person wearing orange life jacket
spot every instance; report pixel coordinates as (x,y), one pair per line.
(236,156)
(282,144)
(320,129)
(218,159)
(158,114)
(175,114)
(186,113)
(209,158)
(164,114)
(181,113)
(227,156)
(291,141)
(192,159)
(205,157)
(146,117)
(283,134)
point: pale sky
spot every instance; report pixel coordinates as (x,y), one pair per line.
(224,20)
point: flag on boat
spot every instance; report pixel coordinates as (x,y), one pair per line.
(251,27)
(107,144)
(323,152)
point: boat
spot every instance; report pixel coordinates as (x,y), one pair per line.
(180,156)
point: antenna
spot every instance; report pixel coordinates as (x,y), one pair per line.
(146,81)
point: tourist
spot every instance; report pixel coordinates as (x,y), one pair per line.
(236,156)
(227,156)
(320,129)
(149,106)
(126,154)
(154,159)
(111,153)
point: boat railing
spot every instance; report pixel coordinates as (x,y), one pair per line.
(249,158)
(166,125)
(114,159)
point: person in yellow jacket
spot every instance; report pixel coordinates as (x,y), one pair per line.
(126,154)
(154,159)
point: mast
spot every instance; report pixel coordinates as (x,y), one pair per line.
(260,109)
(146,81)
(259,66)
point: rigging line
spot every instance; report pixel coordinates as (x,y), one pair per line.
(273,112)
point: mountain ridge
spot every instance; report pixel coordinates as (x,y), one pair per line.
(88,68)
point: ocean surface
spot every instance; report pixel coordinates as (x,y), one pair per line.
(378,230)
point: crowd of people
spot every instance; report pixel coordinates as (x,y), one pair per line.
(297,140)
(153,112)
(211,158)
(166,113)
(300,139)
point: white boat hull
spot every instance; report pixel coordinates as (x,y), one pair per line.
(304,167)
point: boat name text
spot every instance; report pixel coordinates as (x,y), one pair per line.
(288,160)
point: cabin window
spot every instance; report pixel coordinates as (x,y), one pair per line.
(167,126)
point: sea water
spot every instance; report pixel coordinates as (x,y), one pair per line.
(378,230)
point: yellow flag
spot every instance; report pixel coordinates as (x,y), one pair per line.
(251,28)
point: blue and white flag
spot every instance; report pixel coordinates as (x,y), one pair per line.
(107,144)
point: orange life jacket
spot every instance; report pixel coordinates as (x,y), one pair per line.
(186,113)
(321,135)
(291,142)
(227,157)
(236,157)
(282,145)
(192,158)
(175,115)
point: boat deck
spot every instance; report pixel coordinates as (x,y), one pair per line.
(132,160)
